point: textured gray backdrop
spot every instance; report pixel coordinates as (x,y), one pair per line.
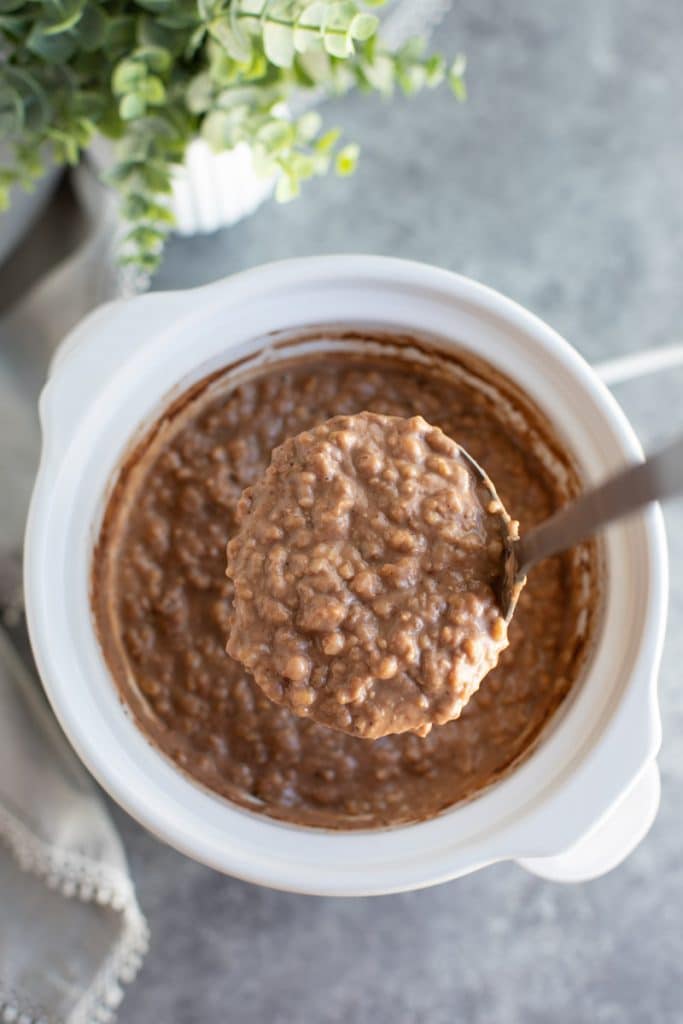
(560,184)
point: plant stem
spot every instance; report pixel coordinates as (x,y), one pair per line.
(290,24)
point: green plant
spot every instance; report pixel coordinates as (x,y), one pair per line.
(154,74)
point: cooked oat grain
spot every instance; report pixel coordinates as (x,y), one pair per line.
(364,569)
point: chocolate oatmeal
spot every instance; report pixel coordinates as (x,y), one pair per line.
(162,601)
(364,567)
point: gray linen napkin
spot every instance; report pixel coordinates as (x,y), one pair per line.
(71,930)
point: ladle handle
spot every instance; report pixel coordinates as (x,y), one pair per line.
(659,477)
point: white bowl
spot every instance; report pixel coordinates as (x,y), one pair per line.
(118,369)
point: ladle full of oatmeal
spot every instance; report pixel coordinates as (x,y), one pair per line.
(367,571)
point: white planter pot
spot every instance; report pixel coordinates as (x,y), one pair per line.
(215,190)
(211,191)
(587,793)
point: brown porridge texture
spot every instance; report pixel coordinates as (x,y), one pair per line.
(162,601)
(364,568)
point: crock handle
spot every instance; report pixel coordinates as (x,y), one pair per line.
(611,842)
(639,364)
(94,351)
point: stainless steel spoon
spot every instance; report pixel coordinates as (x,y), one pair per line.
(659,477)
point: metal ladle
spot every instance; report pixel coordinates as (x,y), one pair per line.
(659,477)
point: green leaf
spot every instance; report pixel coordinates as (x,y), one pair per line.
(55,49)
(221,67)
(30,161)
(156,6)
(150,32)
(216,129)
(258,68)
(120,34)
(435,69)
(11,113)
(8,6)
(381,74)
(316,64)
(65,147)
(255,8)
(412,78)
(132,106)
(90,105)
(122,172)
(146,237)
(235,43)
(250,97)
(300,77)
(128,76)
(146,262)
(458,88)
(308,126)
(243,49)
(338,44)
(200,93)
(326,143)
(341,13)
(299,166)
(278,44)
(364,26)
(308,27)
(456,80)
(276,136)
(157,178)
(195,42)
(138,207)
(92,29)
(153,91)
(180,14)
(66,14)
(207,8)
(263,164)
(14,26)
(287,188)
(314,14)
(412,50)
(459,65)
(33,96)
(156,58)
(347,160)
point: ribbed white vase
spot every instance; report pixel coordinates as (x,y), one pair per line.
(214,190)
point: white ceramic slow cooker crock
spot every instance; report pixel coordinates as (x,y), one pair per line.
(588,792)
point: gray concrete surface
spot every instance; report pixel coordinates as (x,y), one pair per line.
(560,184)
